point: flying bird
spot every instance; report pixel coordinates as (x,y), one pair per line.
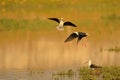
(93,66)
(62,23)
(78,35)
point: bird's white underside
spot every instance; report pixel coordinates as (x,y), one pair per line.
(60,28)
(89,62)
(61,23)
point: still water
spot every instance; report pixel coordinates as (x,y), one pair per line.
(47,50)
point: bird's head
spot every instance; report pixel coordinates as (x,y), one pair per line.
(85,34)
(88,62)
(61,18)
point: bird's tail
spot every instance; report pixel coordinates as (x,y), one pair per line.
(99,67)
(60,28)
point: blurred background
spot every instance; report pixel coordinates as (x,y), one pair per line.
(28,40)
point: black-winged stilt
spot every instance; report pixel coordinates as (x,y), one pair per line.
(62,23)
(93,66)
(78,35)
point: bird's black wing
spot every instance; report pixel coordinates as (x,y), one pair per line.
(95,66)
(79,38)
(69,24)
(54,19)
(71,37)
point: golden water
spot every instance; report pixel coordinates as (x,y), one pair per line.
(47,50)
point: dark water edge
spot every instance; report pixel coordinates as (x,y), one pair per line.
(31,75)
(84,73)
(37,75)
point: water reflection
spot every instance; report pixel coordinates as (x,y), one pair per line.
(25,50)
